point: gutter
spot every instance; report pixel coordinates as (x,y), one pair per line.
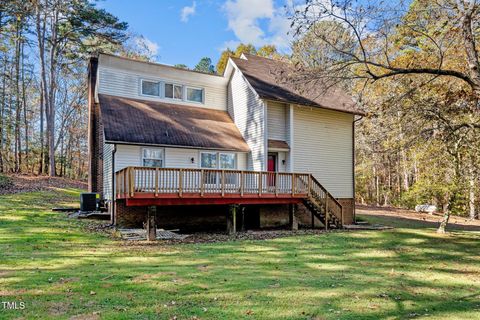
(112,218)
(353,167)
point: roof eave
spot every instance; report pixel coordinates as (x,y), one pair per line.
(358,112)
(174,146)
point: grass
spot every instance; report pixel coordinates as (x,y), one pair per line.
(61,271)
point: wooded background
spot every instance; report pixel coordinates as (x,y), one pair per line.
(413,68)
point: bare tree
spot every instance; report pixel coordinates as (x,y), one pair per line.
(430,30)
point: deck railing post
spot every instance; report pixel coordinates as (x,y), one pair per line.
(124,191)
(276,184)
(241,183)
(156,182)
(132,181)
(202,182)
(293,184)
(260,183)
(223,183)
(180,182)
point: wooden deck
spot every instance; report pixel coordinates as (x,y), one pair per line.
(143,186)
(196,186)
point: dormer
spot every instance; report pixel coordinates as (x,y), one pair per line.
(124,77)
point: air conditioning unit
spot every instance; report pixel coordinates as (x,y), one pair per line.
(88,201)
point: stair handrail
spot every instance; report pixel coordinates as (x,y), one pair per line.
(337,208)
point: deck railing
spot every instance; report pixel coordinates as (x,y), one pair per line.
(204,182)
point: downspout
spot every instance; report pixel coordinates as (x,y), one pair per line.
(353,167)
(112,218)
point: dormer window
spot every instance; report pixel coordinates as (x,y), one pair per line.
(173,91)
(195,95)
(150,88)
(168,90)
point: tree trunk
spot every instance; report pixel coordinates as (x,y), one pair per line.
(18,104)
(52,93)
(40,27)
(471,195)
(2,116)
(25,116)
(443,224)
(42,133)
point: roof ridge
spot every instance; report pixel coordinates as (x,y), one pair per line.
(159,64)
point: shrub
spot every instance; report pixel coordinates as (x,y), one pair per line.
(5,182)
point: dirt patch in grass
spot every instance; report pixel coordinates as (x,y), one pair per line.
(419,218)
(223,237)
(30,183)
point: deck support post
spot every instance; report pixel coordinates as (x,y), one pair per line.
(242,218)
(232,219)
(292,218)
(151,223)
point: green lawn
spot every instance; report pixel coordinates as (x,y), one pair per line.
(60,271)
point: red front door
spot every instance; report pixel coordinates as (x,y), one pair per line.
(272,167)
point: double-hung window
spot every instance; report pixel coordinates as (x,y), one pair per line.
(152,157)
(150,88)
(173,91)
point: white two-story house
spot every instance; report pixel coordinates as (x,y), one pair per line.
(195,145)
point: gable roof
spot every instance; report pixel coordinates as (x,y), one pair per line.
(263,76)
(134,121)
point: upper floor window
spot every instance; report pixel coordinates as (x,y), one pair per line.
(195,94)
(150,88)
(152,157)
(173,91)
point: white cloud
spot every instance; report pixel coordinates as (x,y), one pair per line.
(246,18)
(188,11)
(230,44)
(147,45)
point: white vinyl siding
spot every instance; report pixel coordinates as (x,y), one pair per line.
(107,171)
(130,155)
(127,156)
(247,111)
(181,158)
(121,77)
(323,147)
(277,121)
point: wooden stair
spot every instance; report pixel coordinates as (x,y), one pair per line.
(323,205)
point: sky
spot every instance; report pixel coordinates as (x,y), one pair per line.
(184,31)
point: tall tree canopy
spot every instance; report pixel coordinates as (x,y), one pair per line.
(44,48)
(205,65)
(267,51)
(414,68)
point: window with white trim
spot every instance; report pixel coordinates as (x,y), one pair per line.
(152,157)
(218,160)
(208,160)
(227,161)
(173,91)
(150,88)
(194,94)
